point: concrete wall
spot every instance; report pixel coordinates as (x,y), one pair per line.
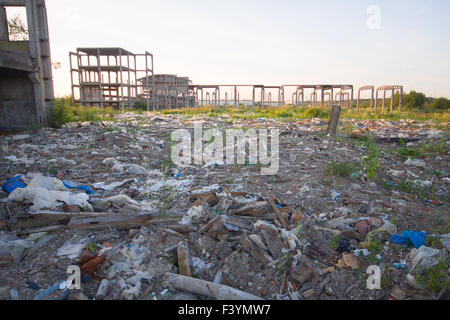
(17,104)
(26,82)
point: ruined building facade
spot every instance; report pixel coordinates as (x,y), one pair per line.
(26,84)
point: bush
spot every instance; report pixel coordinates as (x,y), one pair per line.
(441,104)
(316,113)
(62,113)
(415,100)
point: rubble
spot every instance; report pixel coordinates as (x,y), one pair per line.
(105,197)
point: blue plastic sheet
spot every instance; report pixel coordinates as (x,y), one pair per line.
(12,184)
(414,237)
(54,293)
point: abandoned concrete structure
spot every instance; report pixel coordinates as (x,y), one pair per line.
(108,77)
(167,90)
(26,82)
(393,89)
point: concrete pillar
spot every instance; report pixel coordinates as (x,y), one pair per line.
(263,96)
(371,99)
(331,98)
(392,100)
(376,101)
(401,99)
(3,25)
(323,98)
(218,95)
(384,99)
(226,99)
(351,100)
(235,97)
(253,97)
(357,101)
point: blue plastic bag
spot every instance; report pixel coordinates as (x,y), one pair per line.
(72,185)
(416,238)
(12,184)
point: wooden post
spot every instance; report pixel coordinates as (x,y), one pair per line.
(334,121)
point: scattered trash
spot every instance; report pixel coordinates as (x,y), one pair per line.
(294,235)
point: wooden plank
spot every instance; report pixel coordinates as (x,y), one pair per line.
(255,251)
(279,214)
(184,260)
(206,288)
(273,242)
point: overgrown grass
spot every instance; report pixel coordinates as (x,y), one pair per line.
(371,161)
(64,113)
(290,112)
(421,151)
(342,169)
(436,279)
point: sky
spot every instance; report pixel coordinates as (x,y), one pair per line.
(357,42)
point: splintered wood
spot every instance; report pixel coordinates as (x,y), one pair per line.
(184,260)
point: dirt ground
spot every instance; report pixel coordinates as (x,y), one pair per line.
(338,217)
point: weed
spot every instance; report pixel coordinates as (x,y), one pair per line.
(436,278)
(342,169)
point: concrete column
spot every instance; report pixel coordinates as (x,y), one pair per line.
(371,99)
(401,99)
(376,101)
(357,101)
(253,97)
(263,97)
(226,99)
(392,100)
(218,94)
(235,97)
(331,98)
(323,98)
(351,100)
(4,36)
(384,99)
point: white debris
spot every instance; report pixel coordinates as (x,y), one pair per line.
(41,198)
(192,215)
(113,186)
(51,184)
(72,251)
(416,163)
(24,160)
(424,258)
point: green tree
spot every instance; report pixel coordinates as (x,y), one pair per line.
(441,104)
(17,29)
(415,100)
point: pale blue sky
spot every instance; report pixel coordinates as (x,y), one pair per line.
(267,42)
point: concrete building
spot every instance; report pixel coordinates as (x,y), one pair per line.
(26,82)
(168,91)
(107,77)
